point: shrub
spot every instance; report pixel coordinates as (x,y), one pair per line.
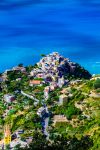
(97,84)
(72,110)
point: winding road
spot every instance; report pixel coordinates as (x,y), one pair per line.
(30,96)
(45,120)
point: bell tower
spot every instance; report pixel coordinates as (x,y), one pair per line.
(7,135)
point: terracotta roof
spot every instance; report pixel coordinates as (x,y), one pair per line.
(35,82)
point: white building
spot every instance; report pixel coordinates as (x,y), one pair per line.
(33,72)
(1,79)
(9,98)
(74,82)
(16,142)
(63,99)
(53,86)
(61,82)
(41,111)
(46,92)
(18,68)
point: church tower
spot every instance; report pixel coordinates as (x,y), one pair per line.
(7,135)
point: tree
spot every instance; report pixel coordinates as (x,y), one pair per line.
(60,142)
(7,147)
(20,65)
(39,142)
(72,110)
(18,147)
(43,55)
(97,84)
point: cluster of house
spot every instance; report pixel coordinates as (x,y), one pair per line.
(94,77)
(50,70)
(75,82)
(19,68)
(49,67)
(54,62)
(14,139)
(3,78)
(16,68)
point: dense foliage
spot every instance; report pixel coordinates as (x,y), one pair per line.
(97,84)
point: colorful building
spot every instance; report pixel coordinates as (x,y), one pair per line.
(7,135)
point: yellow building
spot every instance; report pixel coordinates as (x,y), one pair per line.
(7,135)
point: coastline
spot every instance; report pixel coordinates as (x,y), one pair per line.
(92,67)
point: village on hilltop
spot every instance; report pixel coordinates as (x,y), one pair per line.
(53,97)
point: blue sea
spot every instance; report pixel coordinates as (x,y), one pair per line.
(29,28)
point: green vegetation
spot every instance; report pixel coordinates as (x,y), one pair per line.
(72,110)
(81,128)
(43,55)
(97,84)
(20,65)
(59,142)
(84,121)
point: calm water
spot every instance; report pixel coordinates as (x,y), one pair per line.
(29,28)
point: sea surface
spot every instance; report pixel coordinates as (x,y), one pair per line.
(29,28)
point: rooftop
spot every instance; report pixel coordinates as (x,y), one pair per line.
(35,82)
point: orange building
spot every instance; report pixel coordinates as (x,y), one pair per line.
(35,82)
